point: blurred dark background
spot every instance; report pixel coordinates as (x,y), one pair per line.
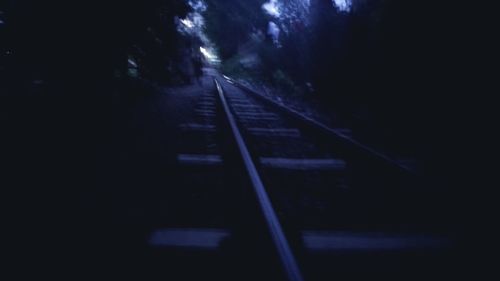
(398,66)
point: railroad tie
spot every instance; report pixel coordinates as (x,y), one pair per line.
(207,103)
(257,117)
(209,239)
(199,159)
(197,127)
(314,241)
(302,164)
(274,132)
(205,113)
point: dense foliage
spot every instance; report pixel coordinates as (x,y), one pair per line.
(73,40)
(371,61)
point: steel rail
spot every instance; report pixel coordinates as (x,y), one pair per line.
(323,127)
(285,253)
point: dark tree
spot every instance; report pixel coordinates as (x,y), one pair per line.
(86,40)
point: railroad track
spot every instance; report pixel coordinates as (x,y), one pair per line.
(315,206)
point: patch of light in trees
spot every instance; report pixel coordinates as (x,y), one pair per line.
(343,5)
(272,8)
(209,54)
(274,31)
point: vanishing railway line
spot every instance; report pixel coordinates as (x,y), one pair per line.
(297,199)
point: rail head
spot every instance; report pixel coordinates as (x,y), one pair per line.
(284,251)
